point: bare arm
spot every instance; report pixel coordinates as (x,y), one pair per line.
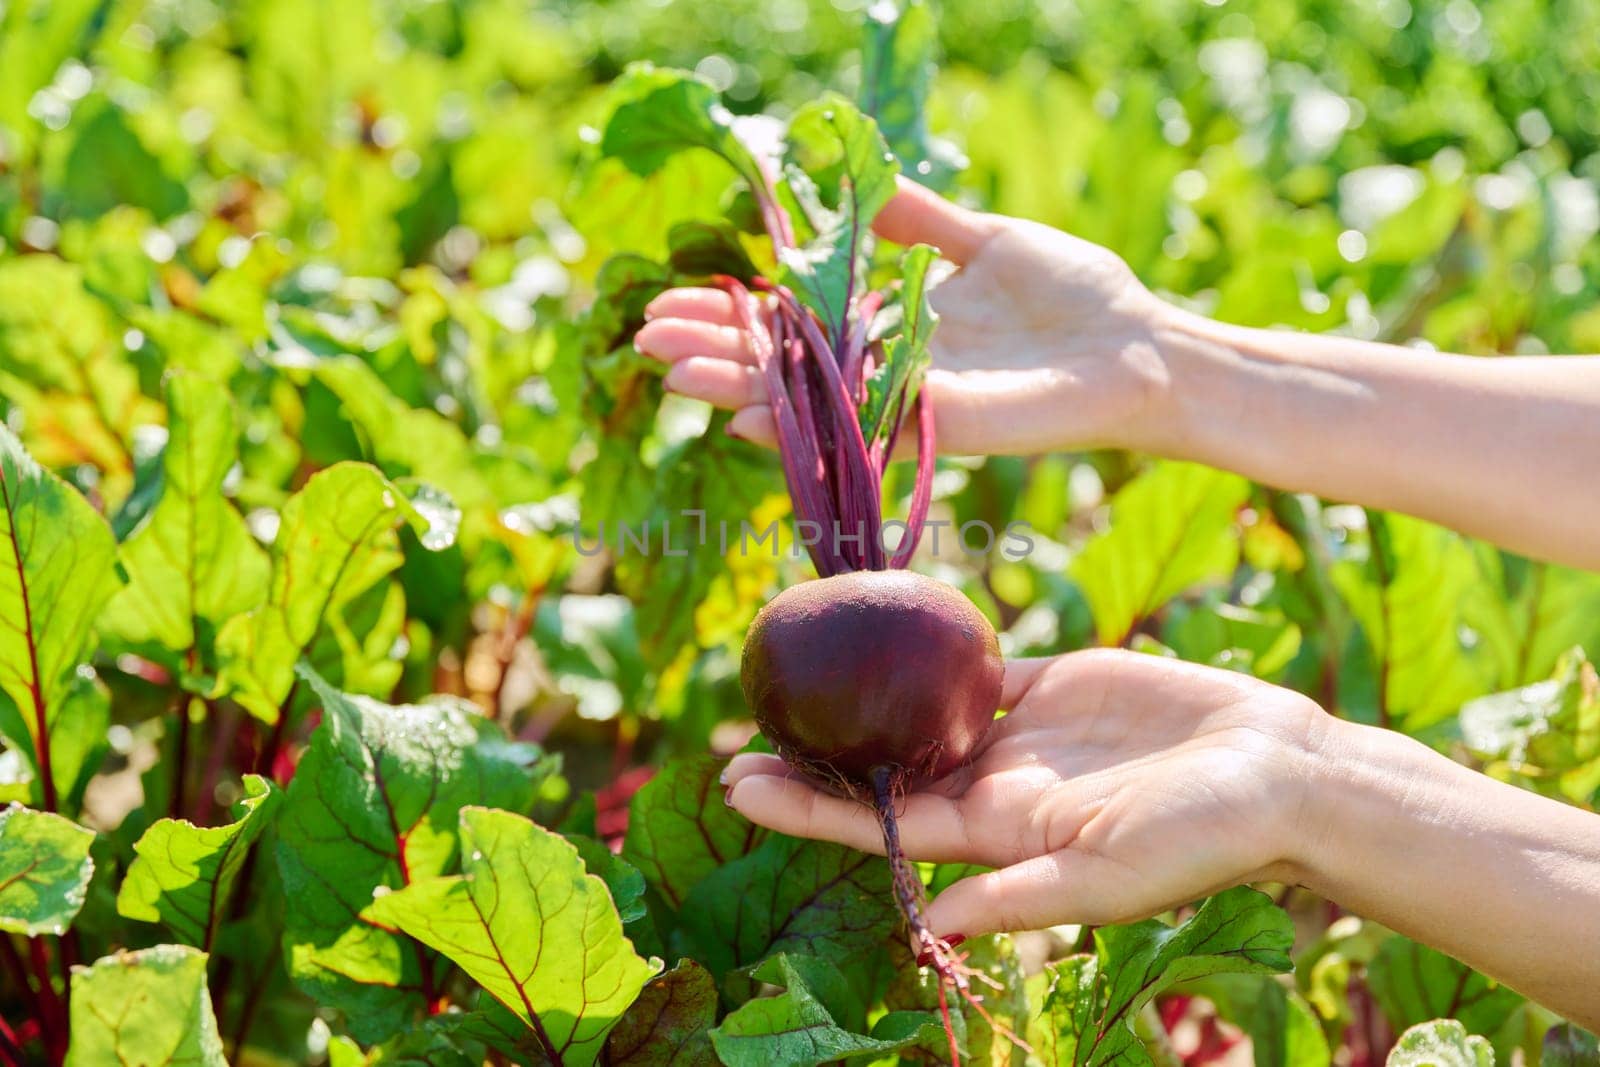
(1504,448)
(1048,342)
(1504,880)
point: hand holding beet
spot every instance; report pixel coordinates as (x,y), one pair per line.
(1118,786)
(1044,342)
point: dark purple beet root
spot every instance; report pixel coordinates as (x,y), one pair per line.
(873,670)
(876,681)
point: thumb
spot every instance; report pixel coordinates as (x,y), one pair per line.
(1049,890)
(918,215)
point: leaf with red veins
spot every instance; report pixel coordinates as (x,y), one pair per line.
(680,829)
(528,924)
(373,806)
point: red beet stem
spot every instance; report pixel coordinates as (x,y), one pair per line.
(909,894)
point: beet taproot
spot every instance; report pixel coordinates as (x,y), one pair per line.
(873,669)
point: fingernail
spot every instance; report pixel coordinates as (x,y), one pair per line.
(723,777)
(727,798)
(728,429)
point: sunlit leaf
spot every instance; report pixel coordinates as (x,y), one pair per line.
(373,806)
(144,1007)
(1409,595)
(1441,1043)
(192,565)
(336,541)
(1171,528)
(44,870)
(183,875)
(895,382)
(56,558)
(526,922)
(830,139)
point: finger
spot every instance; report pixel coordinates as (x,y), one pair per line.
(919,215)
(931,827)
(1060,887)
(756,424)
(746,764)
(707,305)
(1020,676)
(673,339)
(717,381)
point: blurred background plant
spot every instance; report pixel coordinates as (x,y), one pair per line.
(376,228)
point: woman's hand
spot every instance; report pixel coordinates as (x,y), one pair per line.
(1119,785)
(1044,341)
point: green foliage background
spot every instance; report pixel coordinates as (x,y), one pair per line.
(293,301)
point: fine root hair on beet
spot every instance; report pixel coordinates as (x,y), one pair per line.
(949,966)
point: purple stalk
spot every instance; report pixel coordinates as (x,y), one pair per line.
(817,384)
(922,495)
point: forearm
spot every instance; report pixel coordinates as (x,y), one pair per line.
(1503,449)
(1504,880)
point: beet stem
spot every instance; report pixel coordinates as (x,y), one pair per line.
(909,894)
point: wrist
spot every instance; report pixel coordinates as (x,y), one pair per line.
(1208,390)
(1364,789)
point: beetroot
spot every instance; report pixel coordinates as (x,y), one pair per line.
(873,670)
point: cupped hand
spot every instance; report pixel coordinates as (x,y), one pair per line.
(1044,341)
(1118,786)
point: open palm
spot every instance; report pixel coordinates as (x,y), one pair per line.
(1118,786)
(1045,341)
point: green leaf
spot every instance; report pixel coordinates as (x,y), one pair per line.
(622,879)
(431,1045)
(895,382)
(1413,984)
(56,559)
(374,805)
(1262,642)
(669,1024)
(183,874)
(680,830)
(794,1029)
(193,565)
(1063,1033)
(1532,613)
(699,247)
(336,541)
(806,897)
(107,164)
(1171,528)
(526,923)
(404,440)
(37,39)
(1092,1002)
(897,72)
(44,871)
(144,1007)
(1440,1043)
(1408,596)
(65,371)
(834,143)
(663,112)
(1547,735)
